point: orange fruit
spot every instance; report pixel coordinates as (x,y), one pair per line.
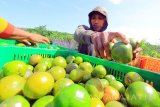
(110,94)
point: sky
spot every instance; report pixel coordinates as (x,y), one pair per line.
(139,19)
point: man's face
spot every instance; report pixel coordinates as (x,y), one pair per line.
(97,21)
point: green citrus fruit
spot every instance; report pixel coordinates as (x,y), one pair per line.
(131,77)
(86,66)
(114,104)
(82,84)
(15,101)
(41,67)
(50,47)
(111,44)
(47,61)
(94,88)
(86,76)
(11,85)
(45,101)
(76,75)
(104,82)
(110,78)
(72,96)
(57,72)
(59,61)
(14,67)
(60,84)
(29,67)
(70,67)
(78,60)
(20,44)
(38,85)
(96,102)
(118,85)
(133,43)
(70,59)
(28,73)
(34,59)
(122,53)
(140,94)
(99,71)
(67,76)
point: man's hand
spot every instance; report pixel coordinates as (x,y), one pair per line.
(36,38)
(101,42)
(28,38)
(137,51)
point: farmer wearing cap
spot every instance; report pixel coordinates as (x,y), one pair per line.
(94,40)
(8,31)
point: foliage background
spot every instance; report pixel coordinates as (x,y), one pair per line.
(67,40)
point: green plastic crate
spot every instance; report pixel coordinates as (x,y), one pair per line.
(8,42)
(41,45)
(5,42)
(118,70)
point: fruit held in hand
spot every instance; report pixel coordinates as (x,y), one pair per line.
(122,52)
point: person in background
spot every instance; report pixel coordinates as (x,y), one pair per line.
(9,31)
(94,40)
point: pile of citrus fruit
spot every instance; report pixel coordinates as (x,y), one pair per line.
(70,82)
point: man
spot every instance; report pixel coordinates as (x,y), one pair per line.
(8,31)
(94,40)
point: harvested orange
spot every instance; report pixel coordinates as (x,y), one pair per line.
(110,94)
